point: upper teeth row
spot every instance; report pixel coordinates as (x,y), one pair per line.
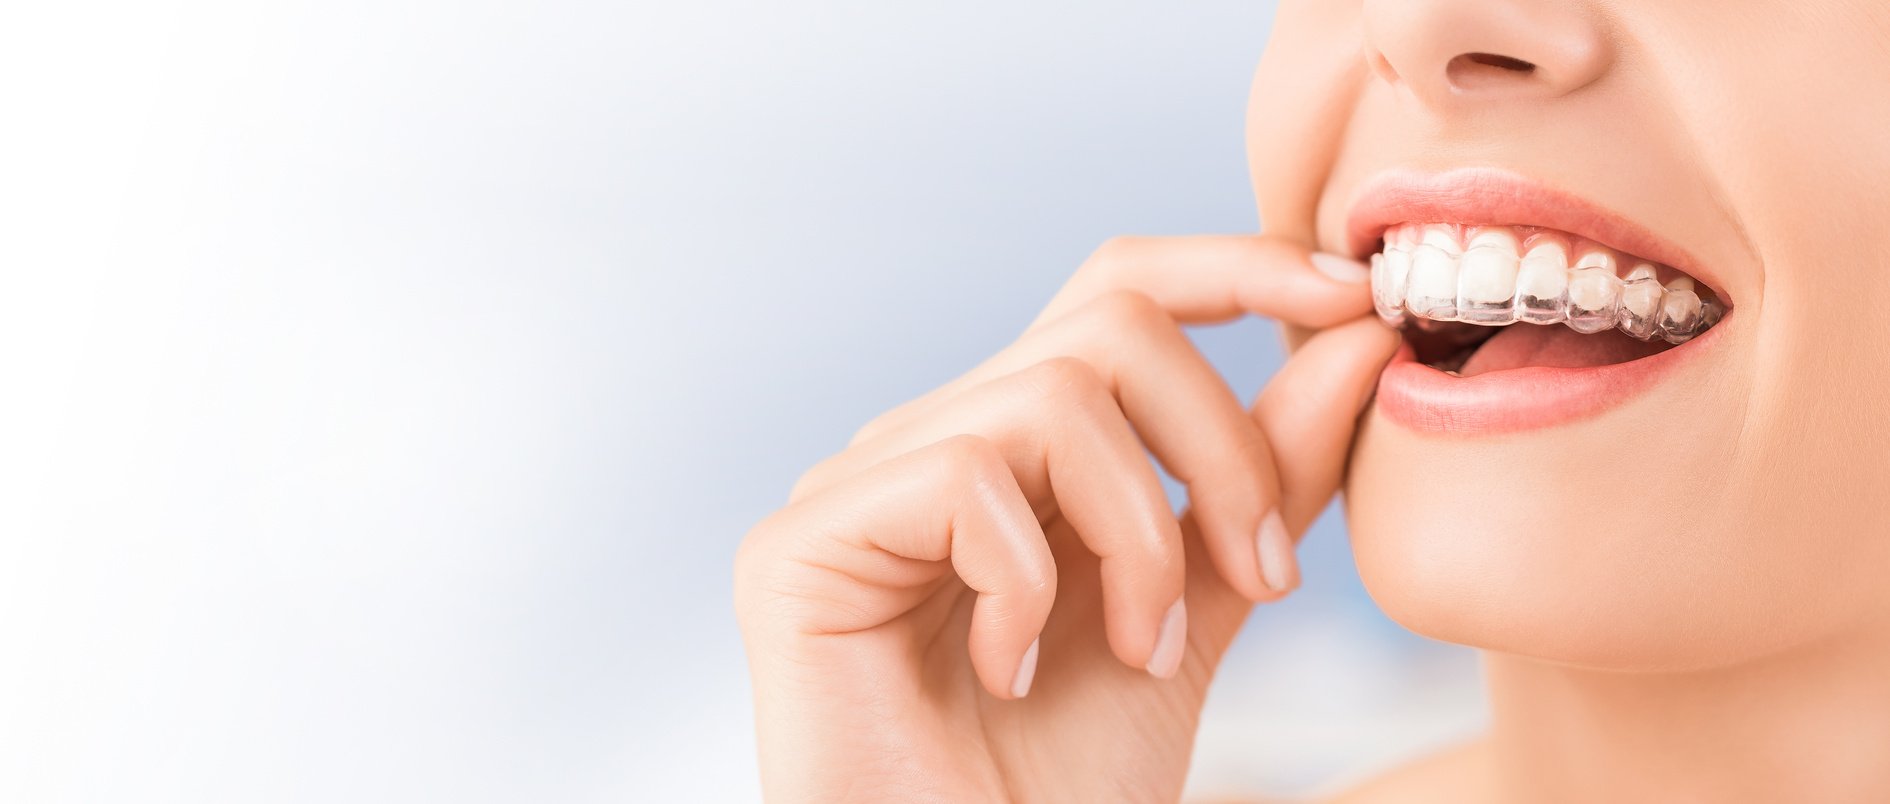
(1431,271)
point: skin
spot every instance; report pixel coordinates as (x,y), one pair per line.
(1015,504)
(1678,599)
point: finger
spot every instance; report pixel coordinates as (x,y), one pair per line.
(1292,336)
(1208,278)
(1195,279)
(1186,416)
(1074,454)
(1216,610)
(1178,404)
(1309,412)
(870,550)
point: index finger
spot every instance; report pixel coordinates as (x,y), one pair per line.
(1209,278)
(1195,279)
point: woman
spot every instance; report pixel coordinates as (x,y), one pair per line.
(1644,478)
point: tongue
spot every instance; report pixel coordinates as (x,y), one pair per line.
(1521,345)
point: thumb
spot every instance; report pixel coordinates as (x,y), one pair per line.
(1309,412)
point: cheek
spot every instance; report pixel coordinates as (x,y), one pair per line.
(1653,537)
(1298,110)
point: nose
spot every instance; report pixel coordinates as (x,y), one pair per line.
(1448,53)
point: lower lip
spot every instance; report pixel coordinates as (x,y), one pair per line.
(1427,400)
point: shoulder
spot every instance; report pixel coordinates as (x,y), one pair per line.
(1457,775)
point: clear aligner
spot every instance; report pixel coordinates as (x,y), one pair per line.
(1431,286)
(1501,275)
(1486,278)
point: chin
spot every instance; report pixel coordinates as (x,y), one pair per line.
(1562,545)
(1553,490)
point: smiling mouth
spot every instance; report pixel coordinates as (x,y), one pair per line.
(1458,293)
(1523,305)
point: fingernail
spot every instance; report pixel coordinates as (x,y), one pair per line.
(1026,670)
(1351,272)
(1169,641)
(1279,568)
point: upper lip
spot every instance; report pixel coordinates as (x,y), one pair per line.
(1496,197)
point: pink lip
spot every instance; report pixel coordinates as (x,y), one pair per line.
(1427,400)
(1494,197)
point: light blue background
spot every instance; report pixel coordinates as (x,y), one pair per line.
(389,384)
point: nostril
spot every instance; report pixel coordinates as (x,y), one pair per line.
(1472,71)
(1499,62)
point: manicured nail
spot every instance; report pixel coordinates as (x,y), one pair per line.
(1169,641)
(1279,568)
(1026,670)
(1351,272)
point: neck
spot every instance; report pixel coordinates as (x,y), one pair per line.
(1808,725)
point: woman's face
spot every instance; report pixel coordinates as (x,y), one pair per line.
(1571,497)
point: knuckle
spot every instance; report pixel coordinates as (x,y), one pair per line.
(884,422)
(810,481)
(775,591)
(1038,579)
(972,456)
(1132,310)
(1163,553)
(1065,380)
(869,430)
(746,567)
(1112,254)
(1253,453)
(1244,456)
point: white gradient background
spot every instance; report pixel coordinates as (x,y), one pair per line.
(384,386)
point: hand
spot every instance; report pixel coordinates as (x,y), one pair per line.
(934,614)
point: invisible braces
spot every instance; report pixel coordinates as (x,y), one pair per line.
(1425,273)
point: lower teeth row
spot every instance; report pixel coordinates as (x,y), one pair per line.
(1423,282)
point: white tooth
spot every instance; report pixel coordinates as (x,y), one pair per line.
(1542,283)
(1486,278)
(1432,288)
(1593,291)
(1444,236)
(1399,269)
(1681,283)
(1493,237)
(1592,297)
(1594,258)
(1586,292)
(1406,236)
(1679,314)
(1389,307)
(1711,311)
(1398,273)
(1640,302)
